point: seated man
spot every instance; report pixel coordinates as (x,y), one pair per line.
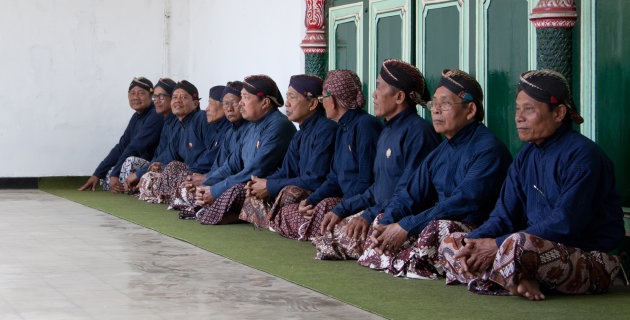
(261,152)
(186,143)
(230,98)
(558,213)
(307,161)
(140,138)
(404,142)
(459,181)
(351,168)
(217,126)
(162,93)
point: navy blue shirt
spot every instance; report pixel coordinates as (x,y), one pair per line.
(562,190)
(404,142)
(460,180)
(308,159)
(213,141)
(261,152)
(185,141)
(140,139)
(355,148)
(231,146)
(169,121)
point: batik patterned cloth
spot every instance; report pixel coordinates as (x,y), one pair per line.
(182,198)
(148,186)
(225,208)
(555,266)
(291,224)
(130,166)
(337,245)
(261,212)
(172,176)
(418,256)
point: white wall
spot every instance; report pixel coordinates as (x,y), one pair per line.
(66,66)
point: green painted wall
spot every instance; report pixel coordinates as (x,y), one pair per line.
(507,59)
(612,82)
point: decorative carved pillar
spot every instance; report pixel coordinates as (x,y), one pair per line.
(554,21)
(314,44)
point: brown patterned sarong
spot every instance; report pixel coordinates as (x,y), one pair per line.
(130,166)
(338,246)
(225,208)
(261,212)
(418,256)
(183,198)
(148,185)
(172,176)
(291,224)
(555,266)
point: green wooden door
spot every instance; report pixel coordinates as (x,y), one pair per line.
(346,46)
(612,79)
(441,43)
(507,58)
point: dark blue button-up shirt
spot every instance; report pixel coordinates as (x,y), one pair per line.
(355,149)
(231,146)
(213,141)
(459,180)
(185,141)
(169,121)
(404,142)
(562,190)
(140,139)
(308,159)
(262,149)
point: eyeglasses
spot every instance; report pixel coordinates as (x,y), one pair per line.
(233,104)
(321,98)
(443,106)
(160,97)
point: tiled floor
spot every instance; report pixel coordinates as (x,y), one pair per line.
(62,260)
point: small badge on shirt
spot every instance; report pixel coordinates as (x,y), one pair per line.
(388,153)
(190,145)
(257,144)
(216,142)
(349,148)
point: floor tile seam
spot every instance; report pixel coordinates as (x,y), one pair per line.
(221,255)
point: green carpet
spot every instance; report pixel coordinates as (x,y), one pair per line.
(374,291)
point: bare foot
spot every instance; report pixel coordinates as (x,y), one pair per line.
(530,289)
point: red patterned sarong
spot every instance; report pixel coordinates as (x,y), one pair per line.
(172,176)
(225,208)
(555,266)
(261,212)
(291,224)
(418,256)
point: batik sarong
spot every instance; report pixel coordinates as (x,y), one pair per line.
(261,212)
(418,256)
(225,208)
(130,166)
(337,245)
(555,266)
(291,224)
(172,176)
(148,186)
(184,199)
